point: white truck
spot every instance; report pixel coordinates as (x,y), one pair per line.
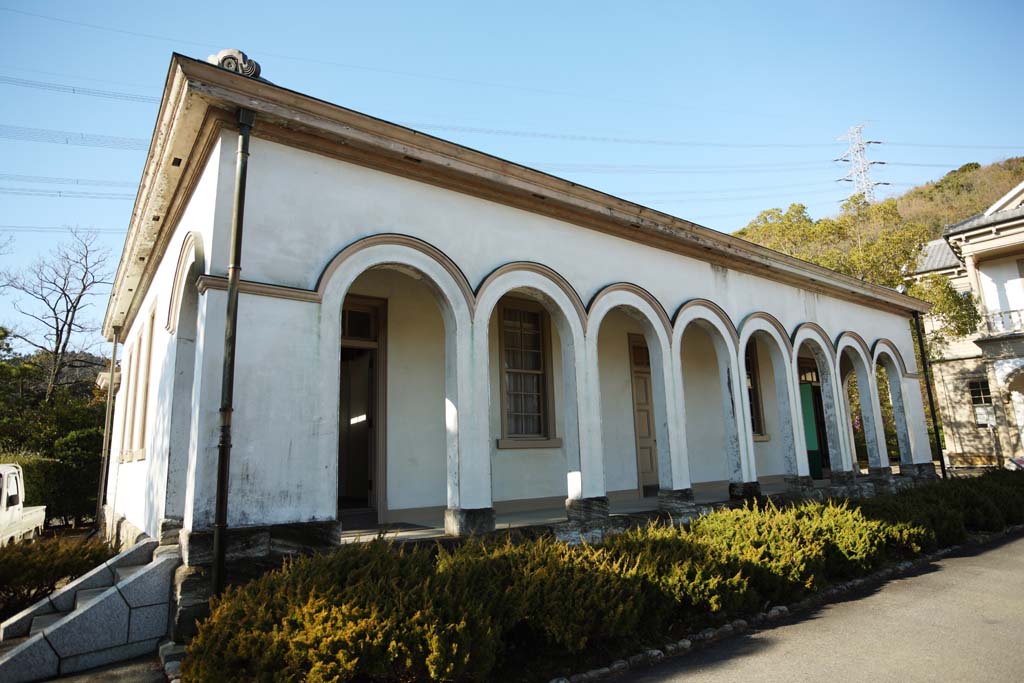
(17,522)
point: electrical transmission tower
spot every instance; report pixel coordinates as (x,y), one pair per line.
(860,167)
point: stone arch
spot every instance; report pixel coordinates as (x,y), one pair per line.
(792,444)
(886,355)
(719,327)
(455,301)
(641,305)
(852,346)
(581,434)
(191,264)
(182,324)
(824,354)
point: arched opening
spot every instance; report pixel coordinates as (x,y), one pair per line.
(819,410)
(528,407)
(534,346)
(394,331)
(632,340)
(182,324)
(709,395)
(861,412)
(392,440)
(894,418)
(768,410)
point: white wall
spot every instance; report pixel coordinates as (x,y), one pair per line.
(137,489)
(705,424)
(1001,285)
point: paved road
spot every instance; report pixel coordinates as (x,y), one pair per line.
(961,620)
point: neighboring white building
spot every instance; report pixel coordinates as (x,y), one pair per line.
(427,331)
(979,379)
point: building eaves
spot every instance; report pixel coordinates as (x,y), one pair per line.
(937,255)
(983,221)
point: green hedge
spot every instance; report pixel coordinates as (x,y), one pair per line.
(492,609)
(30,571)
(67,483)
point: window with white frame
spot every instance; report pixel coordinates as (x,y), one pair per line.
(981,401)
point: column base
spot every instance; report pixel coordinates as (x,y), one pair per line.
(841,478)
(678,502)
(919,470)
(586,509)
(744,490)
(468,522)
(799,484)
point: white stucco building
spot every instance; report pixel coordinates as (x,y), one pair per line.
(426,332)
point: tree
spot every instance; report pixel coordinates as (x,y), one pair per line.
(872,242)
(59,290)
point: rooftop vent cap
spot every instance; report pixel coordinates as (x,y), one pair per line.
(237,61)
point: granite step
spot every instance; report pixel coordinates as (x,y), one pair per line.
(45,620)
(10,644)
(85,596)
(122,573)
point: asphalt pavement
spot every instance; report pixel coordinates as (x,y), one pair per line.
(961,619)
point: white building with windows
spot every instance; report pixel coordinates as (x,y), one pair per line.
(979,379)
(429,335)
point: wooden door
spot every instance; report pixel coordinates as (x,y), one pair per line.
(643,416)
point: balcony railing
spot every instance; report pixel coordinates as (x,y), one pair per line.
(1003,322)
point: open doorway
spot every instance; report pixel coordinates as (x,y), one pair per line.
(361,418)
(814,419)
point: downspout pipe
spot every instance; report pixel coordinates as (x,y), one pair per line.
(246,118)
(926,371)
(107,424)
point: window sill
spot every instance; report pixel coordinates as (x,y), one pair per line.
(514,444)
(762,437)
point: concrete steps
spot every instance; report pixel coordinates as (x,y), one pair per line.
(117,611)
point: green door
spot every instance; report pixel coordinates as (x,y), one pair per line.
(811,429)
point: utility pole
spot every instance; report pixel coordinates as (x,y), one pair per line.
(856,156)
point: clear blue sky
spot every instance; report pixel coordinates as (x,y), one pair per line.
(743,76)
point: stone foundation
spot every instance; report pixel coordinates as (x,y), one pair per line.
(468,522)
(676,503)
(744,490)
(587,509)
(841,478)
(799,484)
(920,470)
(116,530)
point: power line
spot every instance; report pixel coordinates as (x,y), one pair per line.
(65,194)
(56,228)
(66,181)
(62,137)
(73,90)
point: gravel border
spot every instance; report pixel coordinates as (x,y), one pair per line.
(762,620)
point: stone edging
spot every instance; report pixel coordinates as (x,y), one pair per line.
(737,626)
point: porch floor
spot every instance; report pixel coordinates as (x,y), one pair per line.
(542,516)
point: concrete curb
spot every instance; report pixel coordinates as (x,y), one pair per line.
(763,620)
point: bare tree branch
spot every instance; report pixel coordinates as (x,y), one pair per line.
(58,290)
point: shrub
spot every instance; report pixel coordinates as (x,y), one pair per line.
(79,454)
(30,571)
(378,612)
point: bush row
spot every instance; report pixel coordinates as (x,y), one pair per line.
(487,608)
(66,483)
(30,571)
